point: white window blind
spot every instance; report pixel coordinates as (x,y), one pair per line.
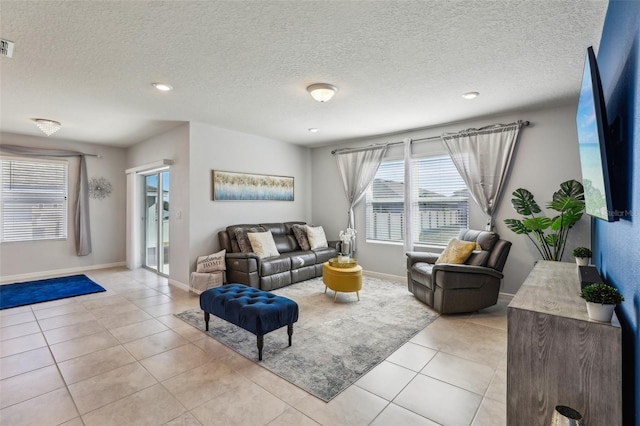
(33,199)
(440,202)
(385,203)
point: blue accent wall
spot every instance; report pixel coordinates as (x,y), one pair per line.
(616,245)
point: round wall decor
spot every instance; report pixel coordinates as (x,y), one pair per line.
(99,188)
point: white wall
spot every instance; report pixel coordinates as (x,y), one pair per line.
(107,216)
(213,148)
(172,145)
(546,155)
(196,149)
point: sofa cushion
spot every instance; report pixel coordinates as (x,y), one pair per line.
(282,235)
(211,263)
(275,265)
(317,237)
(262,244)
(457,251)
(300,232)
(324,254)
(478,258)
(486,239)
(300,259)
(240,234)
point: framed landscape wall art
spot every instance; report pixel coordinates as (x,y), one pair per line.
(232,186)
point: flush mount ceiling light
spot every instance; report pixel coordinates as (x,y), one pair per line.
(322,92)
(164,87)
(314,130)
(49,127)
(470,95)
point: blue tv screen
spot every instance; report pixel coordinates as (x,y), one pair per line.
(593,131)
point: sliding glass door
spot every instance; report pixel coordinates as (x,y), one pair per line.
(156,217)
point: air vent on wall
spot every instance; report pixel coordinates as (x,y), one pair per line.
(6,48)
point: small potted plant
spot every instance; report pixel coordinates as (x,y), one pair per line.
(582,255)
(601,301)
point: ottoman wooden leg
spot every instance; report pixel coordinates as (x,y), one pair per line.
(290,332)
(260,345)
(206,321)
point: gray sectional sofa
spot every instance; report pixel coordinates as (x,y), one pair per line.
(292,265)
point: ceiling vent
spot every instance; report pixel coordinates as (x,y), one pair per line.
(6,48)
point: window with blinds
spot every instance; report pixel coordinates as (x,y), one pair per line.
(385,203)
(440,202)
(33,199)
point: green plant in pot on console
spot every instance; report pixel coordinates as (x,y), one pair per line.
(549,235)
(601,300)
(582,255)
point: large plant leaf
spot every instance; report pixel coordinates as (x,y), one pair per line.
(567,219)
(572,189)
(537,223)
(552,240)
(524,203)
(565,203)
(517,226)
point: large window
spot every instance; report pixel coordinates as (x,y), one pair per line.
(33,199)
(440,202)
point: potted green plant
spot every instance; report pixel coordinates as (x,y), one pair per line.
(549,235)
(601,300)
(582,255)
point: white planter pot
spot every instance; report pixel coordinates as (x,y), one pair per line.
(600,312)
(582,261)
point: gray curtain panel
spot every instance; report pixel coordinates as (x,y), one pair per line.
(408,199)
(357,169)
(482,156)
(82,225)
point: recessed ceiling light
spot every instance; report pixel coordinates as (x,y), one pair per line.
(470,95)
(314,130)
(163,86)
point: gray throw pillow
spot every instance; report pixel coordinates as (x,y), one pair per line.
(300,232)
(243,239)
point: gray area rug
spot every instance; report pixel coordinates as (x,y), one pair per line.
(334,344)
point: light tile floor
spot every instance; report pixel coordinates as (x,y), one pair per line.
(121,358)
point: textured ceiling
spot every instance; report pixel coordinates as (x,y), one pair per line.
(245,65)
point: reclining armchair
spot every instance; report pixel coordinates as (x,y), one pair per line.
(455,288)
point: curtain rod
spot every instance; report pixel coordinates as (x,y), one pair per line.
(366,148)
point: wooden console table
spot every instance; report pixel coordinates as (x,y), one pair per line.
(557,356)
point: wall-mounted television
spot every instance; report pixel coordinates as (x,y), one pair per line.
(593,137)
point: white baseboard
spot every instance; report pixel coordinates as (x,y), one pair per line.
(508,296)
(385,276)
(57,272)
(178,284)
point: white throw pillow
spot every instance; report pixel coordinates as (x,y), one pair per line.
(262,244)
(212,263)
(316,236)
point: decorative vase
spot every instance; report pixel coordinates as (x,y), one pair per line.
(582,261)
(566,416)
(345,249)
(600,312)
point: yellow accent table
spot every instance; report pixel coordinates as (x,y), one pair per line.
(346,280)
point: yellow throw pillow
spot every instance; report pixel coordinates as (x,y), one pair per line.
(457,252)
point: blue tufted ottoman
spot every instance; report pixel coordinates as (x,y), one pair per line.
(257,311)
